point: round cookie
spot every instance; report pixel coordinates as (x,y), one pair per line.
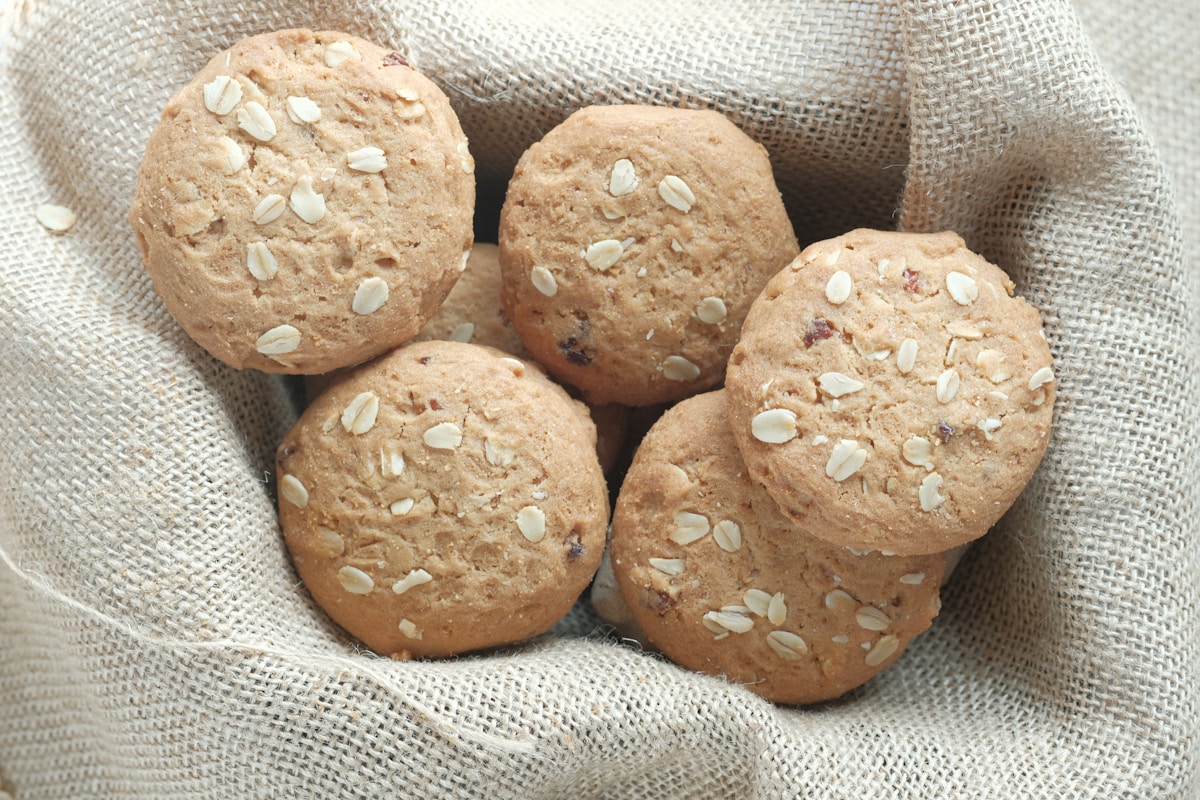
(443,498)
(891,393)
(723,583)
(632,241)
(305,203)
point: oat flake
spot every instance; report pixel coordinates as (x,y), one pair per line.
(55,218)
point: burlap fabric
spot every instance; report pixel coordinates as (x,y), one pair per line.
(154,641)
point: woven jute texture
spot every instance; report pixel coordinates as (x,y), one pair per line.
(155,642)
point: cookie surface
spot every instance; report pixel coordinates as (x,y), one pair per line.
(891,393)
(305,203)
(632,241)
(723,583)
(443,498)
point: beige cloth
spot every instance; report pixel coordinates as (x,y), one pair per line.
(154,641)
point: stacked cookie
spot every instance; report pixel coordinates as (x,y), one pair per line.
(887,401)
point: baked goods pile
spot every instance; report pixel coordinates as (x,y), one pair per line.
(835,423)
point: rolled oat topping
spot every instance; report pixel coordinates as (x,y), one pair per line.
(370,296)
(359,417)
(339,53)
(603,254)
(279,340)
(787,645)
(255,120)
(443,436)
(839,287)
(676,193)
(728,535)
(367,159)
(623,178)
(222,94)
(882,650)
(678,368)
(846,459)
(355,581)
(269,209)
(947,386)
(835,384)
(917,451)
(416,577)
(1041,378)
(306,202)
(930,492)
(962,288)
(711,311)
(731,621)
(872,619)
(232,157)
(302,110)
(689,527)
(669,566)
(757,601)
(260,262)
(292,490)
(774,426)
(906,357)
(543,280)
(531,522)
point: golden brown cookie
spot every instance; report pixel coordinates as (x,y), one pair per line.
(891,393)
(632,241)
(723,583)
(443,498)
(305,203)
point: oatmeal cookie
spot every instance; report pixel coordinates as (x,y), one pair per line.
(891,392)
(632,241)
(443,498)
(305,202)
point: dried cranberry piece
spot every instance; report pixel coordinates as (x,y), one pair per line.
(818,329)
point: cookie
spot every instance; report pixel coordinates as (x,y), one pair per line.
(891,392)
(443,498)
(632,241)
(305,203)
(471,311)
(610,606)
(722,583)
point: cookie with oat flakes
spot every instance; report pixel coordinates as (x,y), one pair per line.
(632,241)
(891,392)
(305,202)
(720,581)
(443,498)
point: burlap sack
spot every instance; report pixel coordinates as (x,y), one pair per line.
(154,641)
